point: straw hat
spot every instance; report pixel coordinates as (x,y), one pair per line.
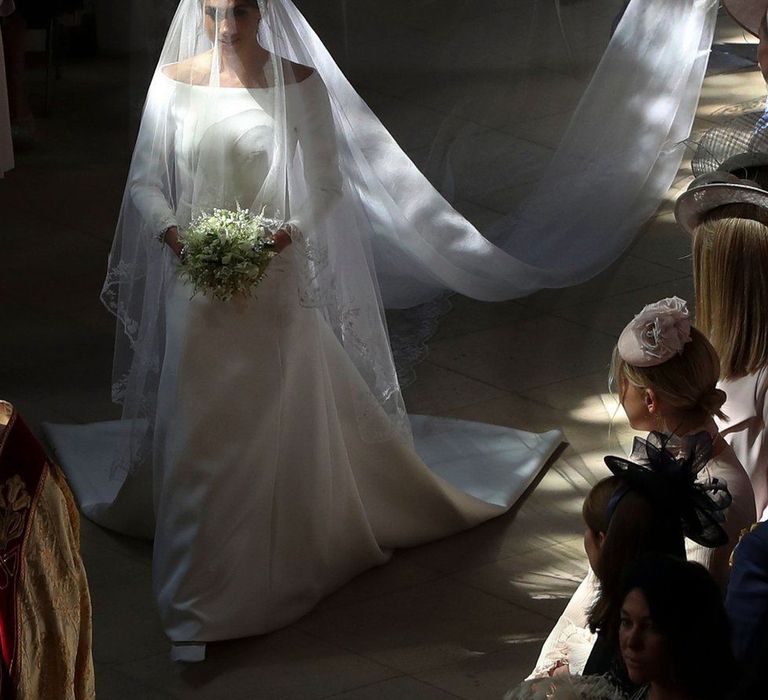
(714,190)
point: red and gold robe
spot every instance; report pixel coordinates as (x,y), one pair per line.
(45,609)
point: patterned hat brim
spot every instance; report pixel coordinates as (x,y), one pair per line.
(694,204)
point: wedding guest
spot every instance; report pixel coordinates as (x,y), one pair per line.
(666,373)
(672,504)
(747,599)
(673,633)
(728,220)
(747,607)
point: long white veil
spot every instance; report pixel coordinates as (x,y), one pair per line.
(617,157)
(376,231)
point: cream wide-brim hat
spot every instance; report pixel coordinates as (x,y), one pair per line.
(748,13)
(713,190)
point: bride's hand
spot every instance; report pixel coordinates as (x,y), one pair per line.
(282,238)
(171,239)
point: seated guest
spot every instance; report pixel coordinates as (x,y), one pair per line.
(747,607)
(728,220)
(673,633)
(671,637)
(45,610)
(666,374)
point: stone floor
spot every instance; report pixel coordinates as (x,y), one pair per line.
(463,617)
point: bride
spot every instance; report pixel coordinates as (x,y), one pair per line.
(264,443)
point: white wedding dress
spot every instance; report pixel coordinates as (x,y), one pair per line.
(264,493)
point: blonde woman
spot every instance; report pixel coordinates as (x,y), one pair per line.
(666,374)
(728,221)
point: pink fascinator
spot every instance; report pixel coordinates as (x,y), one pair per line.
(658,333)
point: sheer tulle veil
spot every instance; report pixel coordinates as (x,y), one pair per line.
(373,230)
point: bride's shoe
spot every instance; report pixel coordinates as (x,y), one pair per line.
(188,652)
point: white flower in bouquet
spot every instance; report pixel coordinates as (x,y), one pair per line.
(226,253)
(566,687)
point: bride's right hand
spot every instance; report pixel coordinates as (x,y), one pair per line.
(171,239)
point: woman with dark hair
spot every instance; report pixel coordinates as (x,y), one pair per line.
(623,523)
(611,512)
(673,632)
(264,443)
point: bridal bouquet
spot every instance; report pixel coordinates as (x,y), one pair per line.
(226,253)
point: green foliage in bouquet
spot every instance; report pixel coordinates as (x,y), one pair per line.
(226,253)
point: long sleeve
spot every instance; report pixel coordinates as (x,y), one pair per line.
(570,639)
(744,430)
(316,135)
(150,186)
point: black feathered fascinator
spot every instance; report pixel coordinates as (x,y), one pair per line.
(666,470)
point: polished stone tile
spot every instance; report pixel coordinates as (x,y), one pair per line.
(488,675)
(542,580)
(425,626)
(664,243)
(399,573)
(396,689)
(611,318)
(284,665)
(497,539)
(469,315)
(486,167)
(412,126)
(512,410)
(113,685)
(728,89)
(626,274)
(465,615)
(439,390)
(524,355)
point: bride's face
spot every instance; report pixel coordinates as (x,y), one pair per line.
(233,24)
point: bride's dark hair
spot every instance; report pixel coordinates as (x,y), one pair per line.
(254,3)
